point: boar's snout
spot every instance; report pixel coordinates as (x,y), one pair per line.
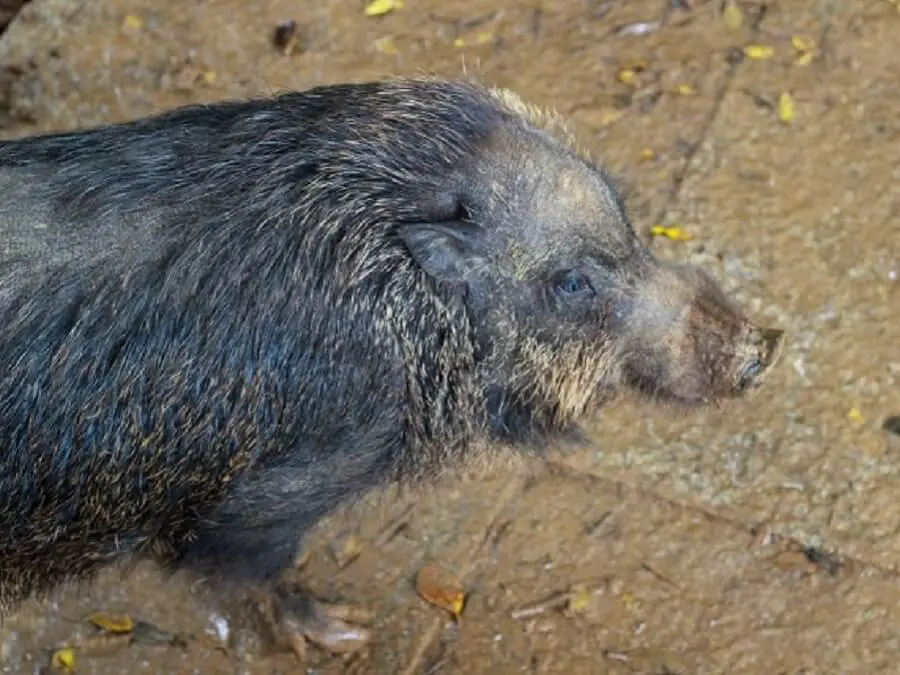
(689,344)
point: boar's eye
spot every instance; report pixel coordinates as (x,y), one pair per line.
(573,284)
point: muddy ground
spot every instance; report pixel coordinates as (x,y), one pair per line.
(763,538)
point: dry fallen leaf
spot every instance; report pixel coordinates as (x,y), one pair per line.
(806,49)
(380,7)
(733,17)
(580,599)
(785,108)
(647,154)
(674,233)
(759,52)
(133,22)
(803,43)
(346,549)
(855,415)
(63,659)
(441,588)
(627,76)
(685,89)
(111,622)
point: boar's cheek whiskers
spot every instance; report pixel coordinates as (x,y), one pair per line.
(565,379)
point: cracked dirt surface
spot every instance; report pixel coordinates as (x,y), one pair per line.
(763,538)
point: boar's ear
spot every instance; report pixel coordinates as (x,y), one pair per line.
(447,251)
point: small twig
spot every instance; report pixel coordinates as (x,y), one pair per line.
(557,601)
(660,576)
(391,529)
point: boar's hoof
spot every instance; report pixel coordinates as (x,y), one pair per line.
(336,628)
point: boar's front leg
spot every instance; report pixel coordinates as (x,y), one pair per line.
(251,538)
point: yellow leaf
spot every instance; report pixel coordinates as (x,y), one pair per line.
(759,52)
(855,415)
(459,42)
(733,17)
(386,45)
(685,90)
(63,659)
(627,76)
(805,47)
(380,7)
(674,233)
(785,108)
(134,22)
(580,600)
(209,76)
(803,43)
(647,154)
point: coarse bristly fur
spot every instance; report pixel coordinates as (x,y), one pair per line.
(219,323)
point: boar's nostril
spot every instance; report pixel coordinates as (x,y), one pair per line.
(749,374)
(771,340)
(767,347)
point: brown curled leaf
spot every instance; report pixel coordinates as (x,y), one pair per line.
(441,588)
